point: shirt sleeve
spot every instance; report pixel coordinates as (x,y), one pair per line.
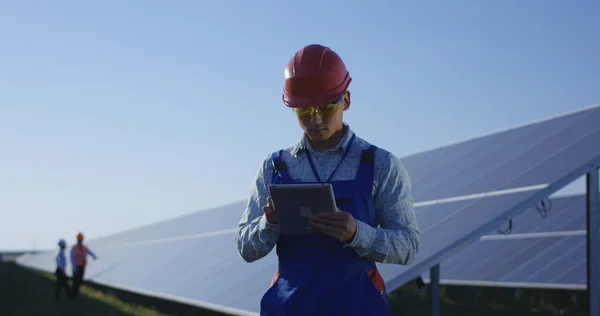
(396,240)
(62,261)
(255,236)
(91,253)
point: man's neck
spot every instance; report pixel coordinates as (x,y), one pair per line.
(330,142)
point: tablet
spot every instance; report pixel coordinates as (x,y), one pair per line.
(295,203)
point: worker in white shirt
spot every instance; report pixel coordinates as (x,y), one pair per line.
(61,275)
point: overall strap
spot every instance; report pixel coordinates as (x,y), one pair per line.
(280,171)
(367,166)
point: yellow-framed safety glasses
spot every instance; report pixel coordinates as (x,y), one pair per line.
(323,110)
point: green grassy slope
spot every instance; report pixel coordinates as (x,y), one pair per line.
(24,292)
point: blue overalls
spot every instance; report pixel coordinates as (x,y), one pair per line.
(317,275)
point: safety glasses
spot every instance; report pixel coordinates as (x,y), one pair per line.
(323,110)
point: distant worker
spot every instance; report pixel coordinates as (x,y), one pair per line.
(79,254)
(331,272)
(61,272)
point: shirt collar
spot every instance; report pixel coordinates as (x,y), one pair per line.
(303,144)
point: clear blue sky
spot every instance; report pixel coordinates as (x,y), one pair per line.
(114,114)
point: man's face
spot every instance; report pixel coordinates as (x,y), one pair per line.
(321,124)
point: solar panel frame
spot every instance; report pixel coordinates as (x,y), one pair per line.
(416,269)
(520,272)
(566,217)
(593,240)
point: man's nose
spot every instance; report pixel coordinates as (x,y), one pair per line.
(316,119)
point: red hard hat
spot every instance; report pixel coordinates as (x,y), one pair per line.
(316,75)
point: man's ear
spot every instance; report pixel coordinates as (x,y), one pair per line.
(346,100)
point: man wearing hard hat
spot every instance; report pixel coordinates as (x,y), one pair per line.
(61,271)
(79,254)
(332,272)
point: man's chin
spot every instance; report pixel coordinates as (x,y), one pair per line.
(319,136)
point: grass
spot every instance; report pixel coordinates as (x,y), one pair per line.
(489,301)
(26,292)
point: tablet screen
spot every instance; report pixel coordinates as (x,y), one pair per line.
(295,203)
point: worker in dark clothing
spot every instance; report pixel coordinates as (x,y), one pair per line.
(79,254)
(61,276)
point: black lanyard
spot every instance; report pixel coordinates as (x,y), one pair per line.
(312,166)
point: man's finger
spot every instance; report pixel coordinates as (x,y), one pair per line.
(338,220)
(333,229)
(268,210)
(332,215)
(336,225)
(329,223)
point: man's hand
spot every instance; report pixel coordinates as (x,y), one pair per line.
(269,211)
(339,225)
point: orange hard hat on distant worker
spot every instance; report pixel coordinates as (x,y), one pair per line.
(79,236)
(316,75)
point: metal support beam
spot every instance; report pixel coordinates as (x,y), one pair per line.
(593,241)
(434,285)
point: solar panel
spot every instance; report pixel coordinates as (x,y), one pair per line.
(536,161)
(462,191)
(546,248)
(504,160)
(201,222)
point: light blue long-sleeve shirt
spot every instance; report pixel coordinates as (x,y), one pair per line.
(61,260)
(395,240)
(89,251)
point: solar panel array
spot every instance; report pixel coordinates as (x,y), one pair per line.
(546,248)
(462,192)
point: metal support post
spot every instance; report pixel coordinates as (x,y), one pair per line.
(434,284)
(593,241)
